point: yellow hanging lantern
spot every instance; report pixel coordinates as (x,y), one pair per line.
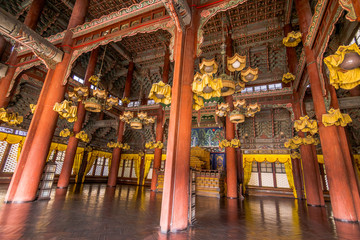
(125,100)
(344,67)
(240,103)
(236,63)
(160,93)
(207,87)
(236,117)
(111,102)
(208,66)
(292,39)
(249,75)
(288,77)
(94,80)
(127,116)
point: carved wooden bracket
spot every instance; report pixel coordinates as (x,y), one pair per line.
(179,11)
(19,32)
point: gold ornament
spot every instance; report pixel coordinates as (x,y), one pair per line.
(66,110)
(160,93)
(32,108)
(198,102)
(304,124)
(288,77)
(334,117)
(66,133)
(82,136)
(292,39)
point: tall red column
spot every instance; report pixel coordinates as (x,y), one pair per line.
(31,21)
(347,155)
(26,178)
(231,166)
(314,195)
(159,124)
(175,200)
(65,174)
(339,184)
(116,156)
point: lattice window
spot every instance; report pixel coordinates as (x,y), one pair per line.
(3,145)
(99,165)
(282,181)
(267,179)
(280,168)
(106,168)
(254,179)
(59,161)
(254,167)
(266,167)
(11,160)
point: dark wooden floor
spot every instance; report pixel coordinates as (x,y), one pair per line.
(128,212)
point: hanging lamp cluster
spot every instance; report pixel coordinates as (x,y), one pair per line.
(10,118)
(241,110)
(136,122)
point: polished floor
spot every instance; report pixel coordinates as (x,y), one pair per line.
(129,212)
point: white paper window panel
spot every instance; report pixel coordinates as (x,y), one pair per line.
(267,180)
(254,179)
(120,171)
(149,176)
(133,173)
(282,181)
(326,182)
(51,155)
(106,171)
(11,162)
(162,164)
(126,172)
(91,171)
(3,145)
(98,170)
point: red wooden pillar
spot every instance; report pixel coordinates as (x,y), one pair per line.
(31,21)
(65,174)
(347,155)
(339,184)
(116,156)
(157,152)
(159,123)
(3,45)
(296,168)
(314,194)
(26,177)
(175,200)
(231,166)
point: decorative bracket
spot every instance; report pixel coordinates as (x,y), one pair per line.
(179,11)
(19,32)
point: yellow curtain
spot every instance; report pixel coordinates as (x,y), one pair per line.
(290,177)
(247,173)
(147,168)
(77,160)
(137,168)
(56,146)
